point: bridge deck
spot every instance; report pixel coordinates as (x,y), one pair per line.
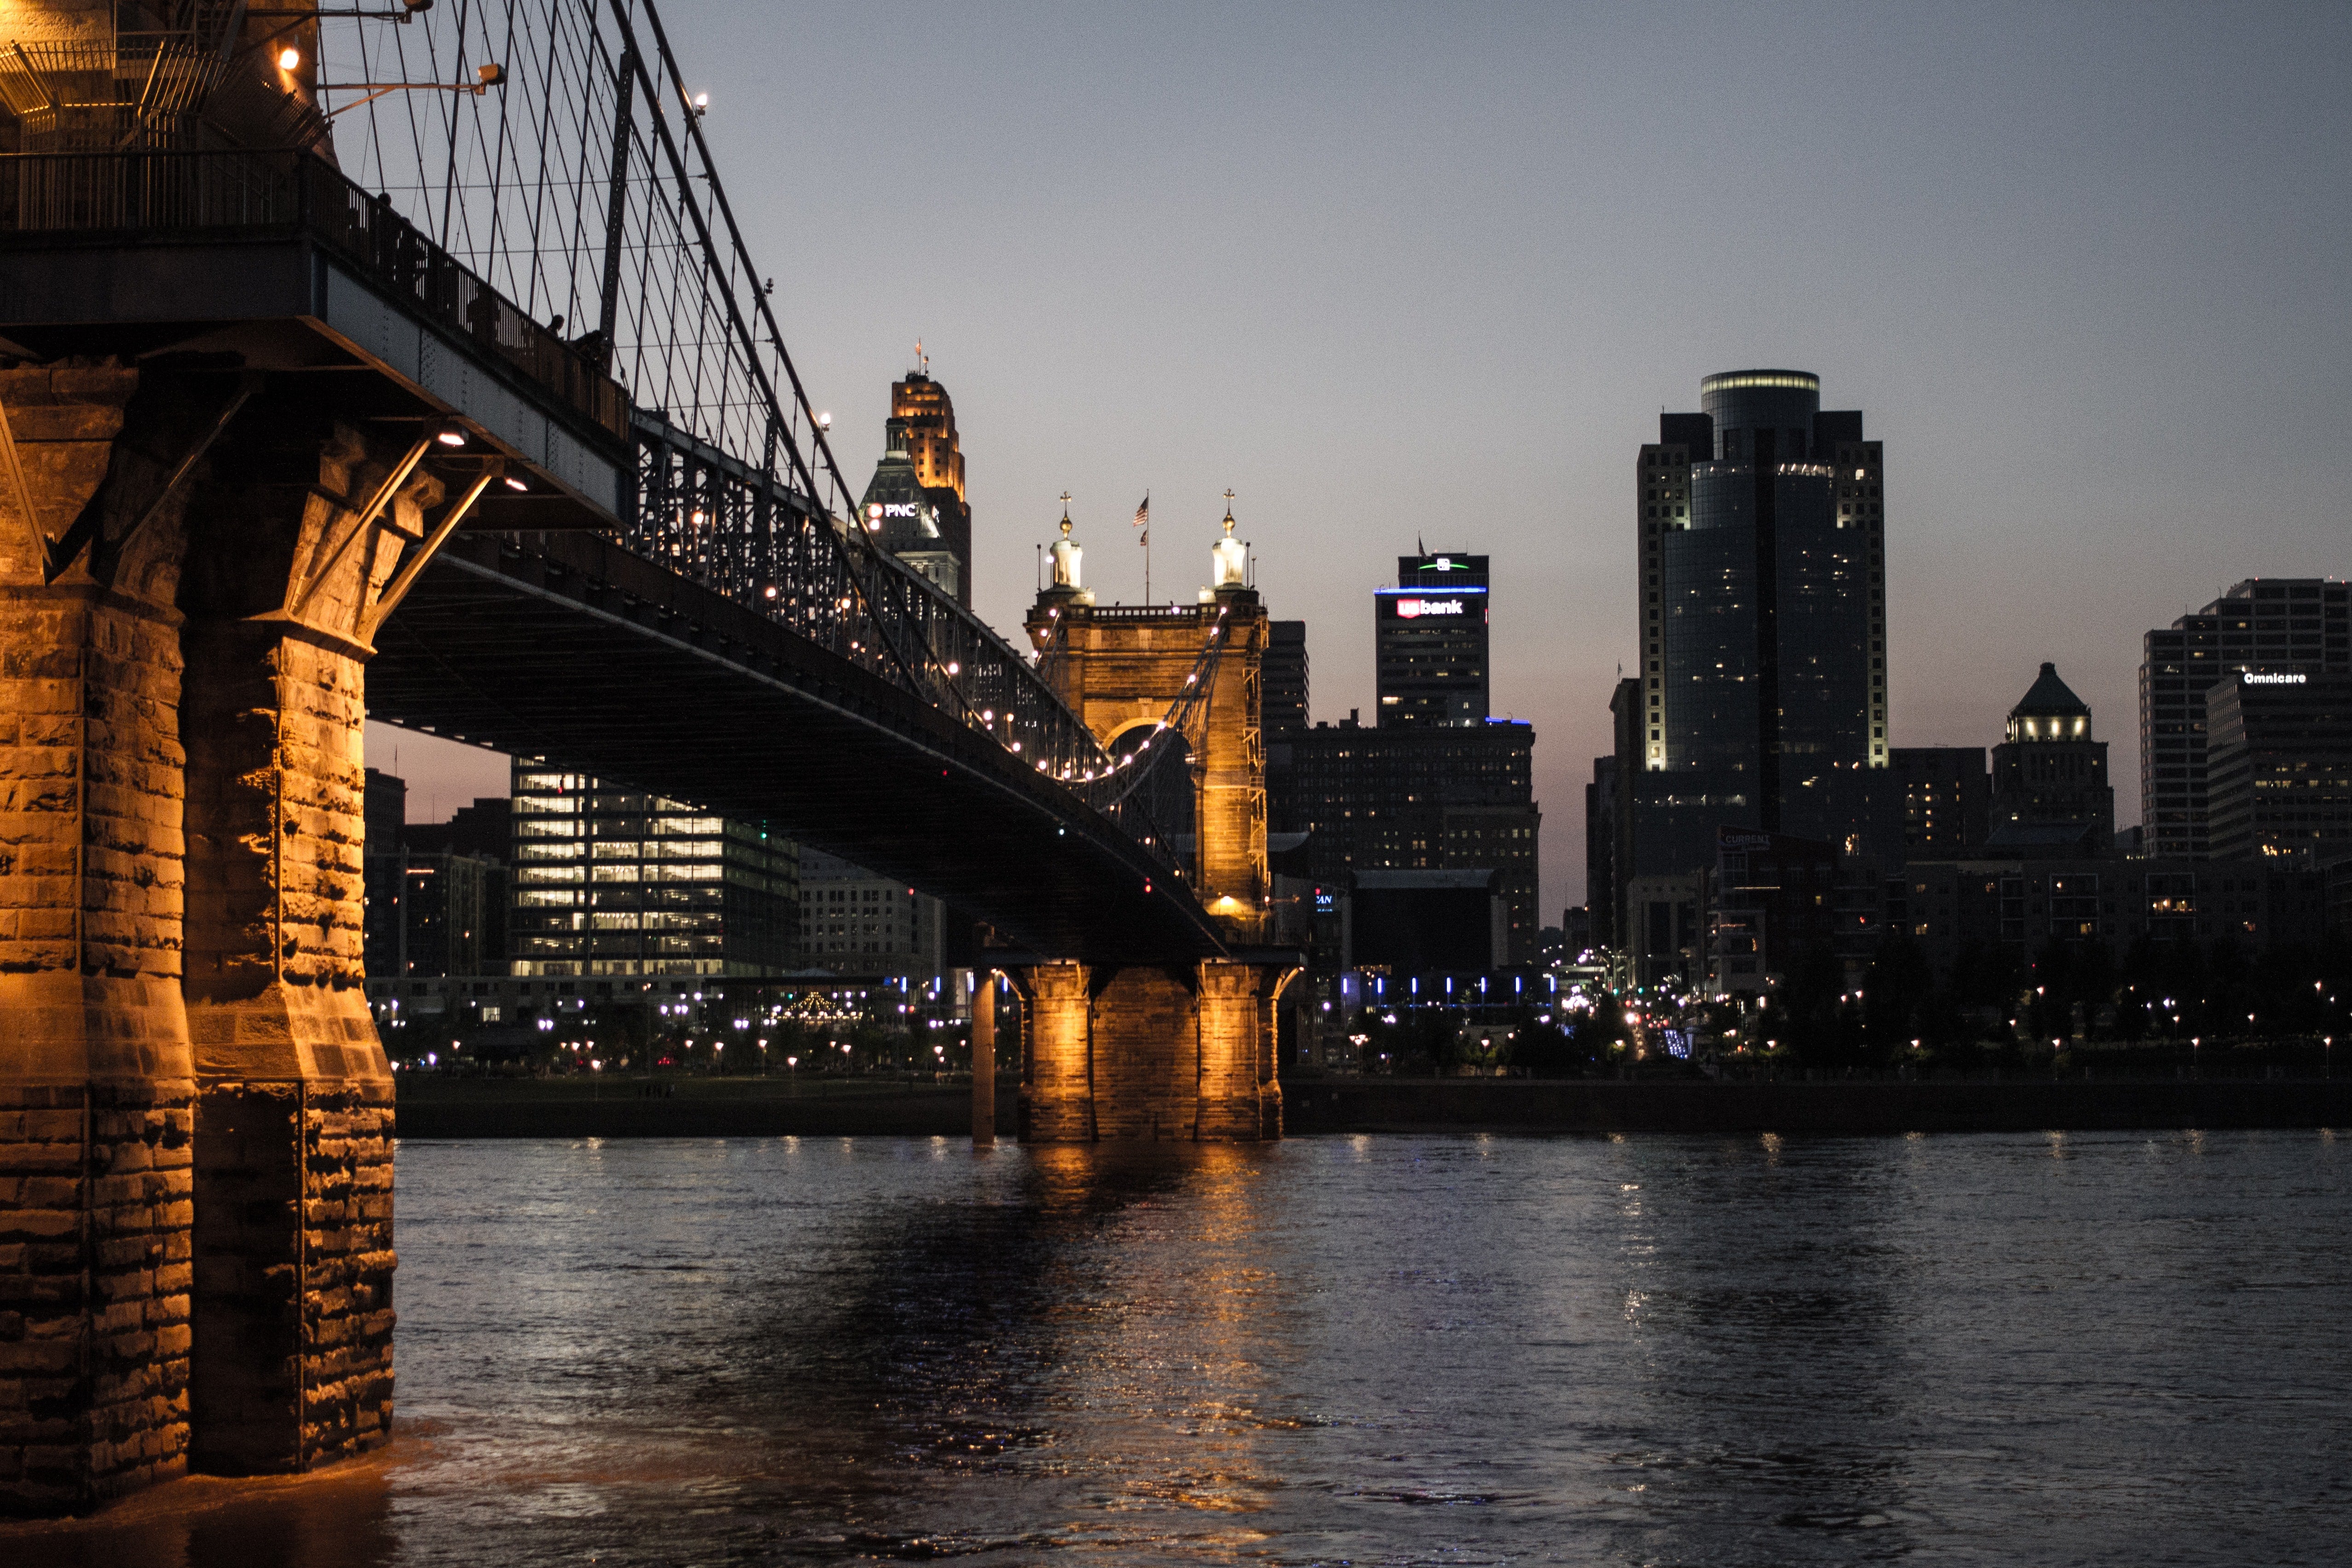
(572,648)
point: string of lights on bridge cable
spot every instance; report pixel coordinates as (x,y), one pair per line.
(537,179)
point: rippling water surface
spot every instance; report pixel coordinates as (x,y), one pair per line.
(2113,1348)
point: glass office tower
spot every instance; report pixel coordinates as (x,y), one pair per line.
(1763,680)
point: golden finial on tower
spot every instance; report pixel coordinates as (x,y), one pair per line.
(1066,514)
(1229,514)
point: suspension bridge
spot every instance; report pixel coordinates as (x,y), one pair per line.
(408,359)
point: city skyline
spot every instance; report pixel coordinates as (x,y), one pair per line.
(1441,289)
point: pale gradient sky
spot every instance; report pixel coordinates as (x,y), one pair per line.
(1433,271)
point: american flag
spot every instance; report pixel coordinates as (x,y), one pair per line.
(1143,519)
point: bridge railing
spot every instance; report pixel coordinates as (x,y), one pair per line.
(194,194)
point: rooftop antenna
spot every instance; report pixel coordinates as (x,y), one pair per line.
(923,360)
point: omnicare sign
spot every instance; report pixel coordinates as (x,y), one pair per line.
(2251,679)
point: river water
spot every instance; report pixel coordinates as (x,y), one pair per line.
(2083,1348)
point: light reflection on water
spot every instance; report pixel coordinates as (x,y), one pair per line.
(1370,1350)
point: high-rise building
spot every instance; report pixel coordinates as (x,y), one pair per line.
(2278,775)
(2277,626)
(2050,790)
(610,882)
(1946,800)
(1282,679)
(1429,642)
(914,507)
(1601,854)
(932,441)
(938,454)
(1761,524)
(1609,817)
(905,518)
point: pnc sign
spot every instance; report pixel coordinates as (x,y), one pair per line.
(1413,609)
(880,509)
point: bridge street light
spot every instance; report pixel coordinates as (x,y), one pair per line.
(486,76)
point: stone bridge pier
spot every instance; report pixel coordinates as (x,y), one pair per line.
(195,1115)
(1185,1050)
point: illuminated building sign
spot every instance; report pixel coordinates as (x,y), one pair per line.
(1412,604)
(881,509)
(2251,679)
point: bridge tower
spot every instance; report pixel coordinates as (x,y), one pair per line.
(195,1115)
(1182,1050)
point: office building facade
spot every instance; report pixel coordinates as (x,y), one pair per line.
(1438,797)
(2276,625)
(854,922)
(2028,905)
(609,881)
(1429,643)
(2278,773)
(1763,682)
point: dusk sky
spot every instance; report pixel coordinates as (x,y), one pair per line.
(1432,272)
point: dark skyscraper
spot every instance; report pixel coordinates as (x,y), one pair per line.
(1763,607)
(1429,642)
(2274,626)
(1283,679)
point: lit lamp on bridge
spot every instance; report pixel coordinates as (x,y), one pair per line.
(486,76)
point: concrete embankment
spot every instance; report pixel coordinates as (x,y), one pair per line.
(1393,1104)
(1429,1105)
(511,1111)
